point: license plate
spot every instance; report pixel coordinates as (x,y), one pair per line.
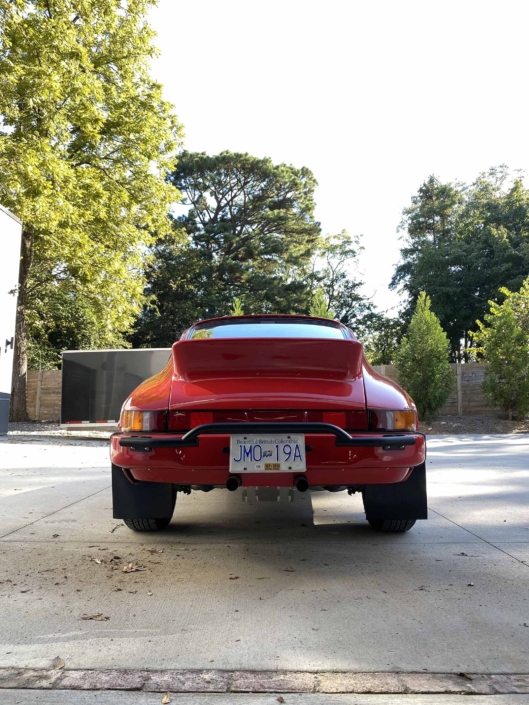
(267,453)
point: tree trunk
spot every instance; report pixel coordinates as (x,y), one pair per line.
(20,362)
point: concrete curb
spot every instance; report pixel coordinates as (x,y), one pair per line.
(265,682)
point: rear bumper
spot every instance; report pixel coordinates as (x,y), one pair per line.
(334,457)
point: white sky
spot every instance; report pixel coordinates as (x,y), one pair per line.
(372,96)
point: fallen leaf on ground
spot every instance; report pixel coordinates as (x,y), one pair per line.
(280,699)
(235,577)
(58,663)
(166,698)
(96,560)
(96,617)
(155,550)
(56,536)
(133,568)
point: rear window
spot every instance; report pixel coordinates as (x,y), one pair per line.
(267,328)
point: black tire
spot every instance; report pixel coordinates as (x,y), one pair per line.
(391,526)
(147,524)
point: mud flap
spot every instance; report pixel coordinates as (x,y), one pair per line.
(142,500)
(399,500)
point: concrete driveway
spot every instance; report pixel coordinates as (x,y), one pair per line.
(306,587)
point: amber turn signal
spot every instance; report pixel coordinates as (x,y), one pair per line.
(142,421)
(392,420)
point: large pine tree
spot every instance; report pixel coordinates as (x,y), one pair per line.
(249,233)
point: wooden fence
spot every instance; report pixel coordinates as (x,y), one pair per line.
(44,392)
(467,398)
(43,395)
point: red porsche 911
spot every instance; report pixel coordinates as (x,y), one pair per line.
(268,403)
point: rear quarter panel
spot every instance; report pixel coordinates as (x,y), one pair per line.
(383,393)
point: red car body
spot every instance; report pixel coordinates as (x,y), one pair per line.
(214,387)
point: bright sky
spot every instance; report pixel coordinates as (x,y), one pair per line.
(372,96)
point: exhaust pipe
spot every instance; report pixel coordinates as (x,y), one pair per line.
(301,483)
(233,483)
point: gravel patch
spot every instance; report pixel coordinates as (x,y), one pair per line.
(485,424)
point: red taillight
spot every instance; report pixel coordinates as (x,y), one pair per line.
(198,418)
(179,421)
(337,418)
(349,420)
(185,420)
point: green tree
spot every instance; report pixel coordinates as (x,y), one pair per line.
(505,347)
(250,234)
(320,306)
(382,338)
(237,308)
(335,271)
(422,361)
(462,244)
(85,144)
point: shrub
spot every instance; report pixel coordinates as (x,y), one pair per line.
(505,346)
(422,361)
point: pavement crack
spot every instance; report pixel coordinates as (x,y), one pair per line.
(66,506)
(479,537)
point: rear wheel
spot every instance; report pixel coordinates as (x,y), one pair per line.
(147,524)
(391,526)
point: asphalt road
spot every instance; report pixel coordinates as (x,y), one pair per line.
(306,586)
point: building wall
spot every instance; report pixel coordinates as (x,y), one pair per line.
(44,392)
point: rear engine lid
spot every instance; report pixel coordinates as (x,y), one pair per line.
(261,373)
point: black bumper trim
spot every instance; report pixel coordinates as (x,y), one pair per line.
(392,441)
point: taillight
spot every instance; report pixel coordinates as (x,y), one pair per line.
(142,421)
(350,420)
(185,420)
(198,418)
(179,421)
(392,420)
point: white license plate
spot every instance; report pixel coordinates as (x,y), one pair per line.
(285,453)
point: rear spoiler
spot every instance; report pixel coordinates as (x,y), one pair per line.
(267,357)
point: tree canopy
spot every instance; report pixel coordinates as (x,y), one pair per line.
(462,244)
(249,233)
(86,140)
